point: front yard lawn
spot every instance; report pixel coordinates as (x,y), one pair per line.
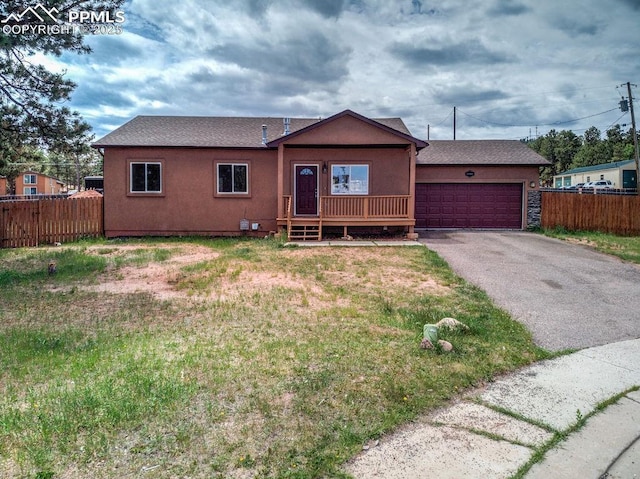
(228,358)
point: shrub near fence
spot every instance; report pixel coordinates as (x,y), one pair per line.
(616,214)
(48,221)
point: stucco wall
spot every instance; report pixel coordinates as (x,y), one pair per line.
(388,167)
(481,174)
(188,203)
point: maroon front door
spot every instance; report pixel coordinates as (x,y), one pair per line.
(306,190)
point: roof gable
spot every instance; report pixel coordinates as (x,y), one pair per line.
(393,129)
(480,152)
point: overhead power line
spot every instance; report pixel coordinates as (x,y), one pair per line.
(535,123)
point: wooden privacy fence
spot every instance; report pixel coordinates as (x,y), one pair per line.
(48,221)
(617,214)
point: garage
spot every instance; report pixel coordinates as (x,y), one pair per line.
(469,205)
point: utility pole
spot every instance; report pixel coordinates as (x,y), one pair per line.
(635,137)
(454,122)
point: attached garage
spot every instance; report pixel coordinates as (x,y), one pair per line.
(482,184)
(469,205)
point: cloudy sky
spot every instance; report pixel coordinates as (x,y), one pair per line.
(510,67)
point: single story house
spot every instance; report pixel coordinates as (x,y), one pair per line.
(621,173)
(34,183)
(167,175)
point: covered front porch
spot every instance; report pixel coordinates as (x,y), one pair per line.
(346,211)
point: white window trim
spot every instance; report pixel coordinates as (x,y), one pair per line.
(28,177)
(349,193)
(146,191)
(233,192)
(35,192)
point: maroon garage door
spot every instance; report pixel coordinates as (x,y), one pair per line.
(469,205)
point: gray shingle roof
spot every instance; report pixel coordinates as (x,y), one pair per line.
(199,131)
(479,152)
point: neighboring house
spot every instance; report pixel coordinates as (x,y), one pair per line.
(476,184)
(4,186)
(33,183)
(227,176)
(621,173)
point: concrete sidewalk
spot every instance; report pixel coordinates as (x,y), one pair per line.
(493,432)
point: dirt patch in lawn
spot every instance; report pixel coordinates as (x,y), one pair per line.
(157,277)
(370,269)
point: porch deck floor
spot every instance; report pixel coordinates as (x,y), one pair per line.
(355,243)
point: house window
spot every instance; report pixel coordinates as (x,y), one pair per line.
(349,179)
(146,177)
(30,180)
(31,190)
(233,178)
(602,177)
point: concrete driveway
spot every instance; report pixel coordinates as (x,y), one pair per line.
(569,296)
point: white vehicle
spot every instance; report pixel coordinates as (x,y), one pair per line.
(588,184)
(602,185)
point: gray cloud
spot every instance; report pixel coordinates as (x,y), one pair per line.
(468,94)
(469,52)
(312,57)
(574,27)
(508,8)
(326,8)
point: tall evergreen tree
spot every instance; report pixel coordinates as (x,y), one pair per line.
(31,97)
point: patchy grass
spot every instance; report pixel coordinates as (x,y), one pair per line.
(264,362)
(624,247)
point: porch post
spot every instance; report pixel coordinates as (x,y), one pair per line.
(280,180)
(412,185)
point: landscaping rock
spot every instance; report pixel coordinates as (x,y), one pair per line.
(426,344)
(445,345)
(452,324)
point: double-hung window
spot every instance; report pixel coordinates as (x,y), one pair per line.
(349,179)
(233,178)
(146,177)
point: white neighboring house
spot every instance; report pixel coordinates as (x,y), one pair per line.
(621,173)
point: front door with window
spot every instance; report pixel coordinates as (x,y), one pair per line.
(306,190)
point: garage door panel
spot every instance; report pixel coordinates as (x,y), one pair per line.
(469,205)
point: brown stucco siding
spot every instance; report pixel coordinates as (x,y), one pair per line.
(188,203)
(346,130)
(389,168)
(482,174)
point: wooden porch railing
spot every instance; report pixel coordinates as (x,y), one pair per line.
(361,207)
(396,206)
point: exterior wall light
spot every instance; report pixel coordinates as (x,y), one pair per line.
(532,184)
